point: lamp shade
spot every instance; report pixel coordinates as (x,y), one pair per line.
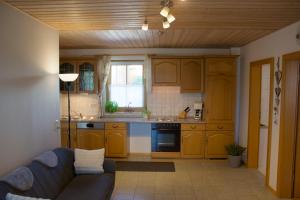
(68,77)
(165,11)
(170,18)
(166,24)
(145,27)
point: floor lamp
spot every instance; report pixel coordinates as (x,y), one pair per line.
(68,78)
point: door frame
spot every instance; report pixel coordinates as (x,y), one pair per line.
(253,141)
(286,167)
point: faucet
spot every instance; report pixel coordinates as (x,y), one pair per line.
(129,109)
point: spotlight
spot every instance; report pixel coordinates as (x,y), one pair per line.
(145,26)
(165,11)
(170,18)
(166,24)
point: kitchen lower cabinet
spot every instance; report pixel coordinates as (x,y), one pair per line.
(193,144)
(216,142)
(116,143)
(64,135)
(116,140)
(90,139)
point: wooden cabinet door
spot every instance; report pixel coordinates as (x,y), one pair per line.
(192,144)
(64,135)
(90,139)
(220,66)
(220,99)
(116,143)
(87,76)
(216,141)
(297,168)
(67,66)
(192,76)
(165,72)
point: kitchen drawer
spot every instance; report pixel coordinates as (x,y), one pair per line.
(220,126)
(115,125)
(193,127)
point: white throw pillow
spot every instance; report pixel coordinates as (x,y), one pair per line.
(89,161)
(10,196)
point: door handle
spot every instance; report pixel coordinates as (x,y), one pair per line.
(220,127)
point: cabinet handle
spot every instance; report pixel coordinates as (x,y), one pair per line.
(115,126)
(220,127)
(193,127)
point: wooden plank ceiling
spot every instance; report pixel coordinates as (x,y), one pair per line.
(199,23)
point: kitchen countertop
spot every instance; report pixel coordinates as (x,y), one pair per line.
(137,120)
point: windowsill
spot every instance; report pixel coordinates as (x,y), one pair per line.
(123,115)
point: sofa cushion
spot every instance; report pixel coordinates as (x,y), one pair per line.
(89,161)
(49,182)
(91,187)
(21,179)
(10,196)
(49,158)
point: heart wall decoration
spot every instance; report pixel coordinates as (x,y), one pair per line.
(278,77)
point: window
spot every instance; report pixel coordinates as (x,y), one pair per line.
(127,84)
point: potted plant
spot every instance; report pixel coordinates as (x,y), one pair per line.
(146,114)
(111,106)
(235,152)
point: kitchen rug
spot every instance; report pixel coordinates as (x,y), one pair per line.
(137,166)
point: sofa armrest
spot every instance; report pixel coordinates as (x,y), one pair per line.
(109,166)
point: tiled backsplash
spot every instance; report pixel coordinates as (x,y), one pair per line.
(168,101)
(162,101)
(86,104)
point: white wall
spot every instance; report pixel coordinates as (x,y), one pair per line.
(29,100)
(276,44)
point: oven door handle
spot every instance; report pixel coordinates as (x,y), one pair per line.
(165,129)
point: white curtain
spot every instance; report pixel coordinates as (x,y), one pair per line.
(147,74)
(104,64)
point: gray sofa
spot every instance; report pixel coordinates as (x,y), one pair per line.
(61,183)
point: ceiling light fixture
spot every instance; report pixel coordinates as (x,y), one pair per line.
(170,18)
(145,25)
(165,11)
(166,24)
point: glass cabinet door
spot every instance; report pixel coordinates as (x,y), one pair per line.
(64,68)
(87,77)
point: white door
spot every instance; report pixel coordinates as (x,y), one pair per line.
(264,119)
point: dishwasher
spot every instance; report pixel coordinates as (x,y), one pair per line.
(90,135)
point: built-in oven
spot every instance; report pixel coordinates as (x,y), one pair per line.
(165,137)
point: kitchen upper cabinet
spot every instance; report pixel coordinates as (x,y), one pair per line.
(87,76)
(116,139)
(64,68)
(220,99)
(192,76)
(64,135)
(216,142)
(220,66)
(165,72)
(90,139)
(87,81)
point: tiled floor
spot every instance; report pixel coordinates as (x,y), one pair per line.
(193,179)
